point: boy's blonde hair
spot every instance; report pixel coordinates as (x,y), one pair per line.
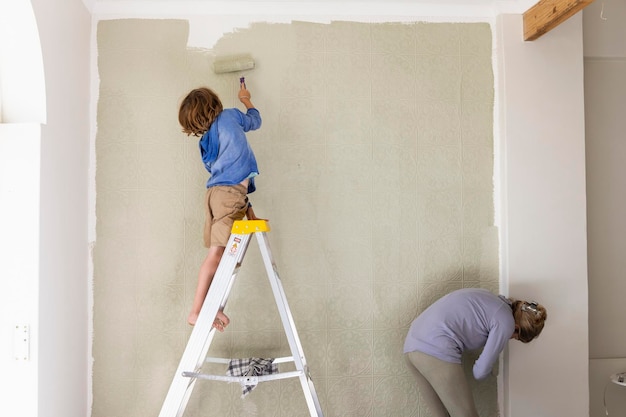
(529,319)
(198,111)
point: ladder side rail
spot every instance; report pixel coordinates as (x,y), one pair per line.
(281,301)
(310,395)
(308,388)
(203,331)
(224,300)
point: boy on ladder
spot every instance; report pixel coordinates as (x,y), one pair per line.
(228,157)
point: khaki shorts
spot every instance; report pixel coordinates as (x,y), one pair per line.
(223,205)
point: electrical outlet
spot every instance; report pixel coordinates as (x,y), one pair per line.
(21,342)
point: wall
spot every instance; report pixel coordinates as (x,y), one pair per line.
(605,96)
(547,392)
(19,243)
(376,160)
(64,29)
(73,398)
(22,109)
(544,214)
(22,83)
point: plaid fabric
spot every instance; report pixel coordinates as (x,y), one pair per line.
(251,367)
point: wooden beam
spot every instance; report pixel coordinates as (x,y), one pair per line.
(548,14)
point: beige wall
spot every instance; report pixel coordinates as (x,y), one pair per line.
(64,27)
(376,159)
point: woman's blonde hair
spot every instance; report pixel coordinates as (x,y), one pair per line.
(529,319)
(198,111)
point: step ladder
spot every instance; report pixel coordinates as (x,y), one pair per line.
(188,371)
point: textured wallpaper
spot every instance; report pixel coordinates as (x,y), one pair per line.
(376,173)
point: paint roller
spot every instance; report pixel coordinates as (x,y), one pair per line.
(234,63)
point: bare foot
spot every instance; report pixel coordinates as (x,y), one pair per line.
(221,321)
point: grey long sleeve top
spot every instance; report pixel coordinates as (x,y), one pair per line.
(465,319)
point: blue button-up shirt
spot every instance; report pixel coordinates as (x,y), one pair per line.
(225,150)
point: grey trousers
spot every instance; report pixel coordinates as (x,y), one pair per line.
(442,386)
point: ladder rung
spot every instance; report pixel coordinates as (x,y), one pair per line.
(227,361)
(251,379)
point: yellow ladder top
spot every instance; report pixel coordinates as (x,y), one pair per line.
(245,227)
